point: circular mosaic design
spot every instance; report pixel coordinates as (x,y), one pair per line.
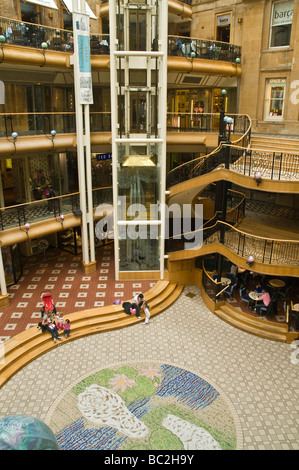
(144,406)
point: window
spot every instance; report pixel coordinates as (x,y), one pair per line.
(274,100)
(223,23)
(281,23)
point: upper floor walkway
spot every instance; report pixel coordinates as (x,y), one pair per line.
(47,40)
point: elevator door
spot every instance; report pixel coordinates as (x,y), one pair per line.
(138,112)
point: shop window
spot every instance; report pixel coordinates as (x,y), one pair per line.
(281,23)
(274,99)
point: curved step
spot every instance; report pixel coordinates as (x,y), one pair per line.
(256,326)
(30,344)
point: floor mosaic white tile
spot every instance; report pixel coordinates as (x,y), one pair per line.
(257,375)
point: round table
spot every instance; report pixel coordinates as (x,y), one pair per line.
(254,295)
(277,283)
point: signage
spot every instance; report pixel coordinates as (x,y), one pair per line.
(282,13)
(223,20)
(82,48)
(104,156)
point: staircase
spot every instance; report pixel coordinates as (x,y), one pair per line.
(30,344)
(274,143)
(257,326)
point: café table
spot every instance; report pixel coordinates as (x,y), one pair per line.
(277,283)
(255,295)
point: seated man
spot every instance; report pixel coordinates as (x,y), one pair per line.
(264,300)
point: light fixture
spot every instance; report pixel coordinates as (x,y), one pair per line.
(61,219)
(139,161)
(250,260)
(257,177)
(27,227)
(44,46)
(238,60)
(223,92)
(15,135)
(2,41)
(53,133)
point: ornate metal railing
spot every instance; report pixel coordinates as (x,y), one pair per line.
(204,122)
(203,49)
(39,36)
(43,123)
(44,37)
(264,249)
(219,156)
(36,211)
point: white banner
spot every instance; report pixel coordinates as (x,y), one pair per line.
(82,49)
(69,6)
(44,3)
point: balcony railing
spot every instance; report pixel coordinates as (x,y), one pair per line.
(45,209)
(264,250)
(204,122)
(203,49)
(40,36)
(43,123)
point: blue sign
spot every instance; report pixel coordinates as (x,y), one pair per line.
(104,156)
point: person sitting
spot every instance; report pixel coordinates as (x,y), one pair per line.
(259,288)
(137,303)
(264,300)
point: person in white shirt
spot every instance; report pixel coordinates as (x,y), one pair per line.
(138,302)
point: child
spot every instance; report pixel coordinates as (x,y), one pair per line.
(59,322)
(147,313)
(67,328)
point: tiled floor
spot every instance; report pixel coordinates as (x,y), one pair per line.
(72,290)
(260,378)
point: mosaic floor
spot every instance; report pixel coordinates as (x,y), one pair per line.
(144,407)
(257,377)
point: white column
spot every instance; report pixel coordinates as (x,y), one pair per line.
(2,276)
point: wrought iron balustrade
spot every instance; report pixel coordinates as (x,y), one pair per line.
(37,211)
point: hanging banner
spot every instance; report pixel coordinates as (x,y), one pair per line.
(69,6)
(44,3)
(82,49)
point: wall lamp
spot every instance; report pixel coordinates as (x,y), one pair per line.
(27,227)
(250,260)
(53,133)
(44,46)
(257,177)
(14,136)
(192,56)
(2,41)
(61,219)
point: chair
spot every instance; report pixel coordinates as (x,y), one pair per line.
(270,310)
(244,297)
(230,290)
